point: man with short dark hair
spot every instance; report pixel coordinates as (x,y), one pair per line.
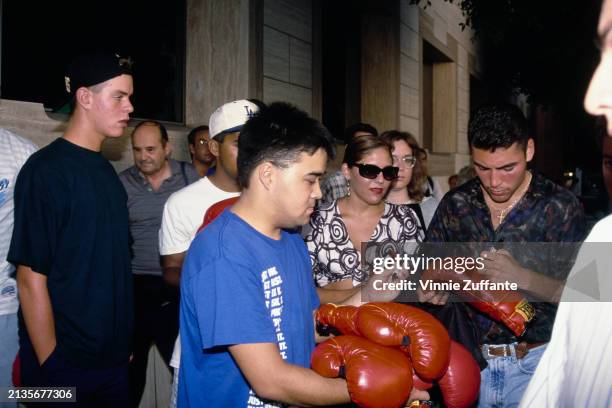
(335,185)
(201,157)
(248,296)
(148,184)
(507,203)
(71,245)
(184,211)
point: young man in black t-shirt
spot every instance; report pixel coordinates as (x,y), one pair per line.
(71,245)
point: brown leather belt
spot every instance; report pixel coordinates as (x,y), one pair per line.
(521,349)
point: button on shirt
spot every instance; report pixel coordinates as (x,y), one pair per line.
(145,206)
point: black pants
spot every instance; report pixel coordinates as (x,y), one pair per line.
(104,387)
(155,322)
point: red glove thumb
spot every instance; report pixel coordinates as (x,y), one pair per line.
(341,318)
(376,376)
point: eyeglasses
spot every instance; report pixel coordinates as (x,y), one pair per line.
(371,171)
(409,161)
(203,141)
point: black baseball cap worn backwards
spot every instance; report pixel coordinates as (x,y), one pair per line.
(92,69)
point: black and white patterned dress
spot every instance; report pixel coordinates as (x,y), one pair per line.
(333,256)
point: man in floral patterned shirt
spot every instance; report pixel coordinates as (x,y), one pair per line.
(505,205)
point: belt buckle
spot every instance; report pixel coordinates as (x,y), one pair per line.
(488,356)
(485,352)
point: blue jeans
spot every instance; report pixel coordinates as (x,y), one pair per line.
(9,345)
(504,381)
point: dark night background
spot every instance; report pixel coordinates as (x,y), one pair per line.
(39,38)
(543,48)
(546,49)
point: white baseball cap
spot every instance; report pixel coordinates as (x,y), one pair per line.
(230,117)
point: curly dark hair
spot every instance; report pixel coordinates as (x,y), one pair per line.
(419,173)
(499,125)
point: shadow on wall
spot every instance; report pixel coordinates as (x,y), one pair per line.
(118,149)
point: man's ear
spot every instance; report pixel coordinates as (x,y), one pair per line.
(168,149)
(530,151)
(191,149)
(265,174)
(83,97)
(213,146)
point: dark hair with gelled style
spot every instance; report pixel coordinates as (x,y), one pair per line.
(497,126)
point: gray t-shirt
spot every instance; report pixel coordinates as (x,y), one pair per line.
(146,207)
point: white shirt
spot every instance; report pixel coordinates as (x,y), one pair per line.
(184,212)
(183,215)
(576,369)
(14,151)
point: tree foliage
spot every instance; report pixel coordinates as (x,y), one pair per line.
(542,48)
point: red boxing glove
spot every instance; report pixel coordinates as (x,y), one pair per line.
(342,318)
(376,376)
(414,330)
(461,382)
(215,210)
(513,313)
(420,384)
(505,306)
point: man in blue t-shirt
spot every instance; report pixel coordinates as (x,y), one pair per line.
(248,297)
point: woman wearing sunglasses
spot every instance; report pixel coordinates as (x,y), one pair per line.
(337,229)
(407,188)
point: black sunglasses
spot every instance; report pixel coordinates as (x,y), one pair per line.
(371,171)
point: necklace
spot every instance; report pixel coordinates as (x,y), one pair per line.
(504,212)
